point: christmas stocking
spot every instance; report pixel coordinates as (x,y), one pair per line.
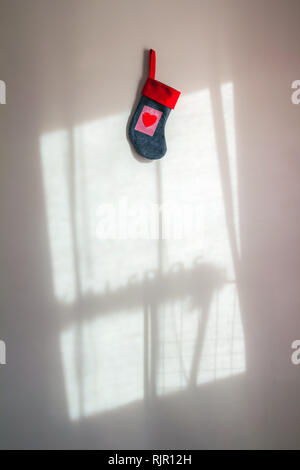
(147,127)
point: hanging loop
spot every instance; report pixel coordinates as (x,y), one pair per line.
(152,60)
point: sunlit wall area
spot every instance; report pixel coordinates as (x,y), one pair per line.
(92,197)
(201,335)
(143,252)
(103,362)
(197,346)
(108,192)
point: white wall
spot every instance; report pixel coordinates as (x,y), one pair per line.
(97,356)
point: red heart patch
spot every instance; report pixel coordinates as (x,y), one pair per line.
(149,119)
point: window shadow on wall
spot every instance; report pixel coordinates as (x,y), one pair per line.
(151,305)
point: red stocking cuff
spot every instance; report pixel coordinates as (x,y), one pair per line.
(164,94)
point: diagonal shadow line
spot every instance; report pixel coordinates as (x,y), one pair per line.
(223,158)
(201,332)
